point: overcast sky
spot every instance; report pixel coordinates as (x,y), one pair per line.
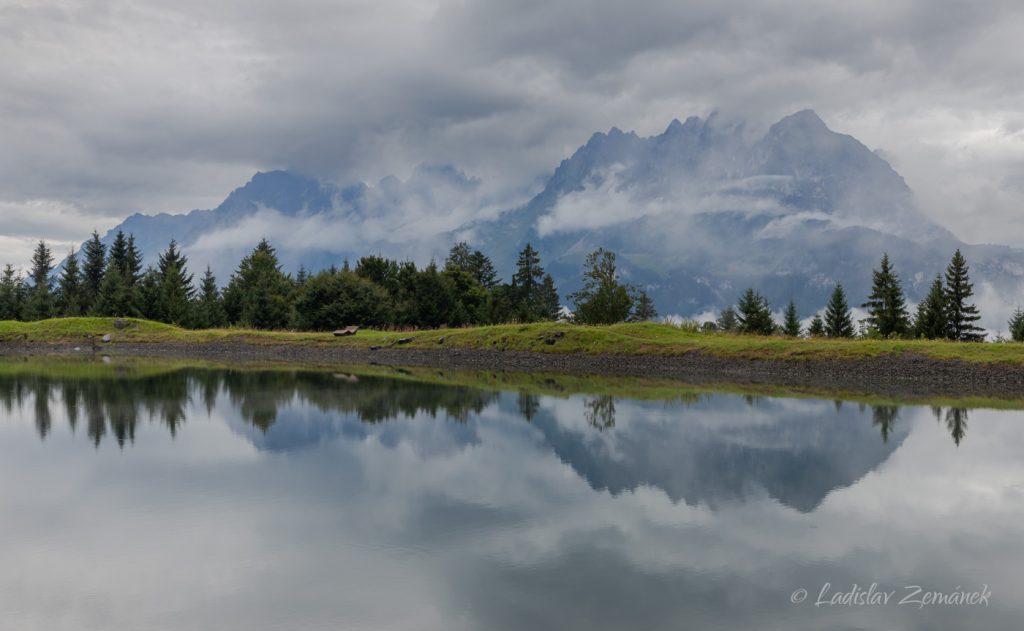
(110,107)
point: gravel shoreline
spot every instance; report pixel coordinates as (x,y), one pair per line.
(905,375)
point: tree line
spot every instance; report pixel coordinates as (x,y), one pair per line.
(377,292)
(945,313)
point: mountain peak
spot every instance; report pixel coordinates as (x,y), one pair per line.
(806,121)
(675,127)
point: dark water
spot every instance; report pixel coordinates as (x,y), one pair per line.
(207,499)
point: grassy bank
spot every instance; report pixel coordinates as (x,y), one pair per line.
(631,339)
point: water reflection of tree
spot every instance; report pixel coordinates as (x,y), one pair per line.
(956,422)
(528,404)
(115,404)
(600,412)
(885,417)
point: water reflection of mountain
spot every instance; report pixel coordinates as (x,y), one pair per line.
(311,408)
(699,449)
(727,448)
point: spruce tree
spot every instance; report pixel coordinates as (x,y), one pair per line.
(643,310)
(961,315)
(817,327)
(550,303)
(527,280)
(930,322)
(146,294)
(176,288)
(791,321)
(132,262)
(727,321)
(69,290)
(41,303)
(210,306)
(93,266)
(838,322)
(754,314)
(10,294)
(119,252)
(482,268)
(258,292)
(887,306)
(115,297)
(1016,325)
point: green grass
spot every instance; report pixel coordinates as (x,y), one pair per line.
(628,339)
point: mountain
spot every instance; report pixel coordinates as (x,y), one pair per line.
(696,215)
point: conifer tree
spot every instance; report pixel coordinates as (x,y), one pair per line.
(817,327)
(482,268)
(116,298)
(93,266)
(791,321)
(69,290)
(961,315)
(176,288)
(1016,325)
(754,314)
(11,294)
(643,310)
(258,292)
(838,321)
(887,306)
(527,280)
(727,321)
(132,262)
(119,252)
(146,294)
(930,322)
(41,303)
(550,303)
(210,306)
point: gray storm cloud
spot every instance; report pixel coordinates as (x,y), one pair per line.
(114,107)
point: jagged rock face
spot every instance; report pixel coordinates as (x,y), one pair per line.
(696,214)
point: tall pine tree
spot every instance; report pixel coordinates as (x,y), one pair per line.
(527,282)
(961,314)
(838,322)
(887,306)
(132,262)
(258,292)
(930,322)
(11,294)
(93,266)
(176,288)
(550,303)
(69,290)
(41,303)
(209,311)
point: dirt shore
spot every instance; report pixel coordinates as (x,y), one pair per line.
(889,375)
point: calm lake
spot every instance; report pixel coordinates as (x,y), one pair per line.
(139,497)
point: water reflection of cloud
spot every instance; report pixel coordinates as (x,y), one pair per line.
(409,524)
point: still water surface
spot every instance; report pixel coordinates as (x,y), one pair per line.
(134,498)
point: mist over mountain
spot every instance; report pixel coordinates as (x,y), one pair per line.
(696,215)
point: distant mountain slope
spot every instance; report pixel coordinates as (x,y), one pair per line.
(696,214)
